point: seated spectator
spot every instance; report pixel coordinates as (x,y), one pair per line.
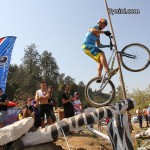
(20,115)
(31,112)
(23,113)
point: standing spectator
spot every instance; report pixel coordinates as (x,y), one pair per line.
(3,107)
(148,113)
(66,101)
(42,96)
(77,108)
(52,103)
(140,114)
(145,115)
(77,104)
(35,106)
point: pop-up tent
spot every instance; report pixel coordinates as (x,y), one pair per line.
(12,113)
(11,104)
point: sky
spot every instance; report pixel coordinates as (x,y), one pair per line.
(59,26)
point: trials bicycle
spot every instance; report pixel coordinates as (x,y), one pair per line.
(133,57)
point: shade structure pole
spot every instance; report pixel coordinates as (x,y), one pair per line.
(117,56)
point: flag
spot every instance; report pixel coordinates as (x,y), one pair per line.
(6,46)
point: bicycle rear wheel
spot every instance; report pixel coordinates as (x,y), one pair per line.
(97,97)
(140,59)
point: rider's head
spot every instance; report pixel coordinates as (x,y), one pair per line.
(102,23)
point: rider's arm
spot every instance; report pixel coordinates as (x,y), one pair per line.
(96,31)
(99,45)
(98,42)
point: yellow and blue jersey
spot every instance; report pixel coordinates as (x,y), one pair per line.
(89,46)
(90,38)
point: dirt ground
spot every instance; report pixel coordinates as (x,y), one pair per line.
(85,141)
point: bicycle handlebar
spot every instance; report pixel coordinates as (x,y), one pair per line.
(111,45)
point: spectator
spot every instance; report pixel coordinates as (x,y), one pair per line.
(77,104)
(23,113)
(31,112)
(148,113)
(52,103)
(3,107)
(42,96)
(139,115)
(35,106)
(66,101)
(145,115)
(29,101)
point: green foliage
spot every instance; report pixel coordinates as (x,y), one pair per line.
(49,68)
(142,97)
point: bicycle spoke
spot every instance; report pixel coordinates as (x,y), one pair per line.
(99,94)
(135,57)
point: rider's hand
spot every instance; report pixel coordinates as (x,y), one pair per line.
(107,33)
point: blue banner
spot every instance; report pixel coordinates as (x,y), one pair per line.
(6,47)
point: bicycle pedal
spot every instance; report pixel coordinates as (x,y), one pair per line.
(113,72)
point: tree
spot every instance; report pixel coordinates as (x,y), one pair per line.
(31,62)
(49,68)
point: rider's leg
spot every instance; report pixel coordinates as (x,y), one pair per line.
(103,61)
(100,67)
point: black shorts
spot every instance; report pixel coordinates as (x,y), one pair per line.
(68,113)
(53,116)
(45,110)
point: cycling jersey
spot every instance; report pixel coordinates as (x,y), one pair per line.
(89,46)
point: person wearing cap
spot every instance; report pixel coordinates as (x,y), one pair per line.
(77,104)
(91,45)
(3,107)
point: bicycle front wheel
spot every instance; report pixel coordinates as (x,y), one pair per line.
(99,96)
(135,57)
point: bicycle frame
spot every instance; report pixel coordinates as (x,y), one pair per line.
(111,62)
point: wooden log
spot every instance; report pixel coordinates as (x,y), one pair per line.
(16,130)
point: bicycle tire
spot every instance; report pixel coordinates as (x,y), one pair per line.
(101,95)
(142,57)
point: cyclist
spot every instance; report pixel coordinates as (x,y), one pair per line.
(91,45)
